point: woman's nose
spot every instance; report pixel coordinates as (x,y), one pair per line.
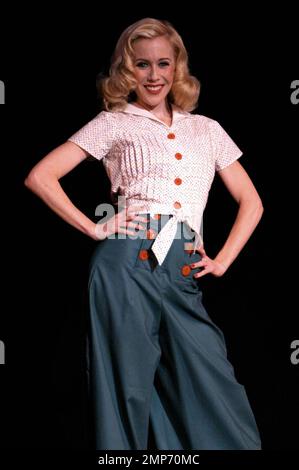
(153,73)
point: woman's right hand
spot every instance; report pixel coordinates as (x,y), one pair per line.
(122,222)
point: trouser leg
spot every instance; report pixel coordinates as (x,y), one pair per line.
(204,405)
(198,403)
(123,348)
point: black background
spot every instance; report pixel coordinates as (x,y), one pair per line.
(245,61)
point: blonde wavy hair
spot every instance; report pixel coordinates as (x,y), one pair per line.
(118,88)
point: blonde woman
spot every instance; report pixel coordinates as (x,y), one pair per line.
(157,363)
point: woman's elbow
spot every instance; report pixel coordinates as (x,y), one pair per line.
(260,209)
(37,179)
(32,180)
(257,207)
(253,205)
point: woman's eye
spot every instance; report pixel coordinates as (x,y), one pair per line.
(141,65)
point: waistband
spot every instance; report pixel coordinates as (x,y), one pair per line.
(169,230)
(165,237)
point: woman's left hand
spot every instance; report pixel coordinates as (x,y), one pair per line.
(208,265)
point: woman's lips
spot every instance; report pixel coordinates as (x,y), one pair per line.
(153,89)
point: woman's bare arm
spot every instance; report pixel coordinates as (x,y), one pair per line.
(43,180)
(249,214)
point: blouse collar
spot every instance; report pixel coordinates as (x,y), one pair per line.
(177,113)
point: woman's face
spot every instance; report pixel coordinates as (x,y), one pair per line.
(154,68)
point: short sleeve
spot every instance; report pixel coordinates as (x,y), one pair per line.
(97,136)
(224,148)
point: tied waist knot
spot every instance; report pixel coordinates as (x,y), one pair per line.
(165,237)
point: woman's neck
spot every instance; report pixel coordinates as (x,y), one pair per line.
(164,113)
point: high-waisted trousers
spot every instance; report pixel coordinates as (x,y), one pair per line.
(158,372)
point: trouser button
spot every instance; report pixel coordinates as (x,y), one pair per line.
(143,255)
(186,270)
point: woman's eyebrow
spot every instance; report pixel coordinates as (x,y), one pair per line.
(146,60)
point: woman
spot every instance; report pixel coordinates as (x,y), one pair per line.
(157,363)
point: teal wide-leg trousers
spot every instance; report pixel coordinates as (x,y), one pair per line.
(157,364)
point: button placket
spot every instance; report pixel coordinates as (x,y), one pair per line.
(177,181)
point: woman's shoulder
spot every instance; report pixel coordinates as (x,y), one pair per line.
(108,115)
(114,117)
(203,119)
(109,120)
(204,123)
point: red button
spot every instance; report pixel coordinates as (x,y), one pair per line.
(178,156)
(143,255)
(157,216)
(178,181)
(186,270)
(171,135)
(177,205)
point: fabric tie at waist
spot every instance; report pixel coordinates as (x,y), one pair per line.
(165,237)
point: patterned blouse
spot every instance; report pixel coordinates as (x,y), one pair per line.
(166,169)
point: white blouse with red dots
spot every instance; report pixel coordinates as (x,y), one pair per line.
(166,169)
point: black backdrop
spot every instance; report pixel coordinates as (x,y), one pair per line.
(246,63)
